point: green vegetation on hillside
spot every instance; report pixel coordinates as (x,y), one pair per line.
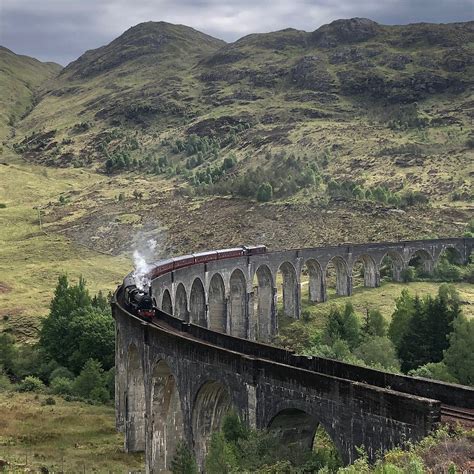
(20,81)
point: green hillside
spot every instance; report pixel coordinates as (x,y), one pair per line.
(20,79)
(358,103)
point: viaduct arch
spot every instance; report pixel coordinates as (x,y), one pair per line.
(208,352)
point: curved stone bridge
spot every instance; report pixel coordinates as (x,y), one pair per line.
(177,377)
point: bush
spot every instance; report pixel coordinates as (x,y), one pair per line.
(408,274)
(378,350)
(435,371)
(91,382)
(2,205)
(5,383)
(61,372)
(49,401)
(31,384)
(265,192)
(62,386)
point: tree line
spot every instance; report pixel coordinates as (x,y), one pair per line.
(74,356)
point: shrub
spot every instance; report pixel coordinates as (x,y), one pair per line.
(434,370)
(5,383)
(31,384)
(49,401)
(61,372)
(62,386)
(265,192)
(407,274)
(183,461)
(2,205)
(91,382)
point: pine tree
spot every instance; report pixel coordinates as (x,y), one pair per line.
(404,309)
(183,461)
(459,357)
(414,347)
(375,324)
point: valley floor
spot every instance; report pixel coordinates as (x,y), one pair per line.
(64,437)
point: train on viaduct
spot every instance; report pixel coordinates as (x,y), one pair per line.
(208,351)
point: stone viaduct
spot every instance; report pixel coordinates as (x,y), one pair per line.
(207,353)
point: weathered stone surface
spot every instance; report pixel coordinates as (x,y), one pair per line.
(178,380)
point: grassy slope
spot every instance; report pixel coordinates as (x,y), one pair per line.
(32,260)
(20,77)
(68,436)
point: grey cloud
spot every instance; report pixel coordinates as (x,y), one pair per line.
(61,30)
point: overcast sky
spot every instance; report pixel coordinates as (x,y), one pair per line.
(61,30)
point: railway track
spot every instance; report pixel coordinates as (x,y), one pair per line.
(462,414)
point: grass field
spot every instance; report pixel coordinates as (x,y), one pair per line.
(30,259)
(65,437)
(363,299)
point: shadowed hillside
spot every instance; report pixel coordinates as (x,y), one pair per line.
(20,78)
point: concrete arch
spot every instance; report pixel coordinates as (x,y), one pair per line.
(166,304)
(296,422)
(197,303)
(452,254)
(396,263)
(422,260)
(289,290)
(211,404)
(316,282)
(217,304)
(166,424)
(296,428)
(134,402)
(371,271)
(343,277)
(264,310)
(238,304)
(181,303)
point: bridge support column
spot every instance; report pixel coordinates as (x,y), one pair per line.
(251,316)
(273,326)
(344,285)
(135,402)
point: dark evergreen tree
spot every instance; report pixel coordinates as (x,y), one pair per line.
(183,461)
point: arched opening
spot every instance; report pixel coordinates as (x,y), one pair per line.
(197,304)
(238,304)
(211,405)
(302,439)
(312,282)
(166,304)
(338,280)
(264,307)
(448,265)
(217,304)
(167,427)
(391,266)
(365,273)
(422,263)
(287,290)
(181,303)
(134,402)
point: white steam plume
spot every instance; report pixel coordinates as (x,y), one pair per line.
(142,267)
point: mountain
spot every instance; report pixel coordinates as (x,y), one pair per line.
(20,80)
(354,115)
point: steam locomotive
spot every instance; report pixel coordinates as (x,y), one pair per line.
(142,303)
